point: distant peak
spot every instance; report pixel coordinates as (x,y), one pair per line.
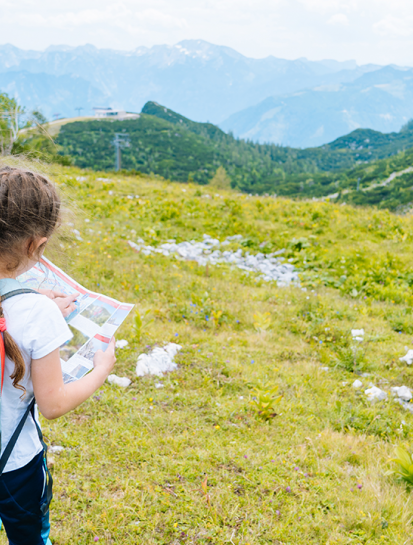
(204,49)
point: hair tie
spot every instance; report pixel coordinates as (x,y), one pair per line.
(3,325)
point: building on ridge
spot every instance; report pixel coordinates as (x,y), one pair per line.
(110,113)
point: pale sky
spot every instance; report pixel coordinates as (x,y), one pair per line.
(378,31)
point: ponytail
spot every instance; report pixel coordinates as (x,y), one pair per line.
(14,354)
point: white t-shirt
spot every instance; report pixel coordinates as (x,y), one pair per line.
(38,327)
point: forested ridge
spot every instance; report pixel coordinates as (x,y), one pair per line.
(164,143)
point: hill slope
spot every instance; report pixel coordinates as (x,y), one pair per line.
(174,147)
(190,456)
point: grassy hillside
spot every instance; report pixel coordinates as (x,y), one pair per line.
(194,461)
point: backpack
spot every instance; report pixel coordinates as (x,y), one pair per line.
(6,294)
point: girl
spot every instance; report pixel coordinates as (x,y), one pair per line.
(33,329)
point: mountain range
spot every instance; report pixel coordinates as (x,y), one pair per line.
(381,100)
(299,103)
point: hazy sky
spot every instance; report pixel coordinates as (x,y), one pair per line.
(379,31)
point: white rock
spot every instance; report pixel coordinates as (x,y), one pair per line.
(405,404)
(55,449)
(408,358)
(357,384)
(357,333)
(158,361)
(402,392)
(119,381)
(123,343)
(268,266)
(375,394)
(172,349)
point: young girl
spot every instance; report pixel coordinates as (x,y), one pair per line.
(33,329)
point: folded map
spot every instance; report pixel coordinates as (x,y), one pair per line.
(93,323)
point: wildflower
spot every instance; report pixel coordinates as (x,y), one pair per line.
(245,456)
(288,489)
(278,513)
(96,538)
(359,486)
(296,469)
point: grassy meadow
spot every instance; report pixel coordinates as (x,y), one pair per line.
(199,460)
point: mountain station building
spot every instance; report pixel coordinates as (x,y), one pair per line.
(110,113)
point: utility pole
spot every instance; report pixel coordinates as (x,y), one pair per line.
(78,111)
(56,116)
(120,141)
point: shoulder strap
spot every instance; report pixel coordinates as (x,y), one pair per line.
(10,445)
(17,292)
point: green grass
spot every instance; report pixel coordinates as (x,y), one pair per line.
(193,462)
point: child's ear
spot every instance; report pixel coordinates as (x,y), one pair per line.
(35,246)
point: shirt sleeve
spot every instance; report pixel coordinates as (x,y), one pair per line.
(45,329)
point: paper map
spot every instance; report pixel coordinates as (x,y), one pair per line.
(93,323)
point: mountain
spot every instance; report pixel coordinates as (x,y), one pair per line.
(381,100)
(205,82)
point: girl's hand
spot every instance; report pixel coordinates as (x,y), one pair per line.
(105,361)
(64,302)
(55,398)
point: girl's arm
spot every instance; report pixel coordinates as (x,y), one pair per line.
(55,398)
